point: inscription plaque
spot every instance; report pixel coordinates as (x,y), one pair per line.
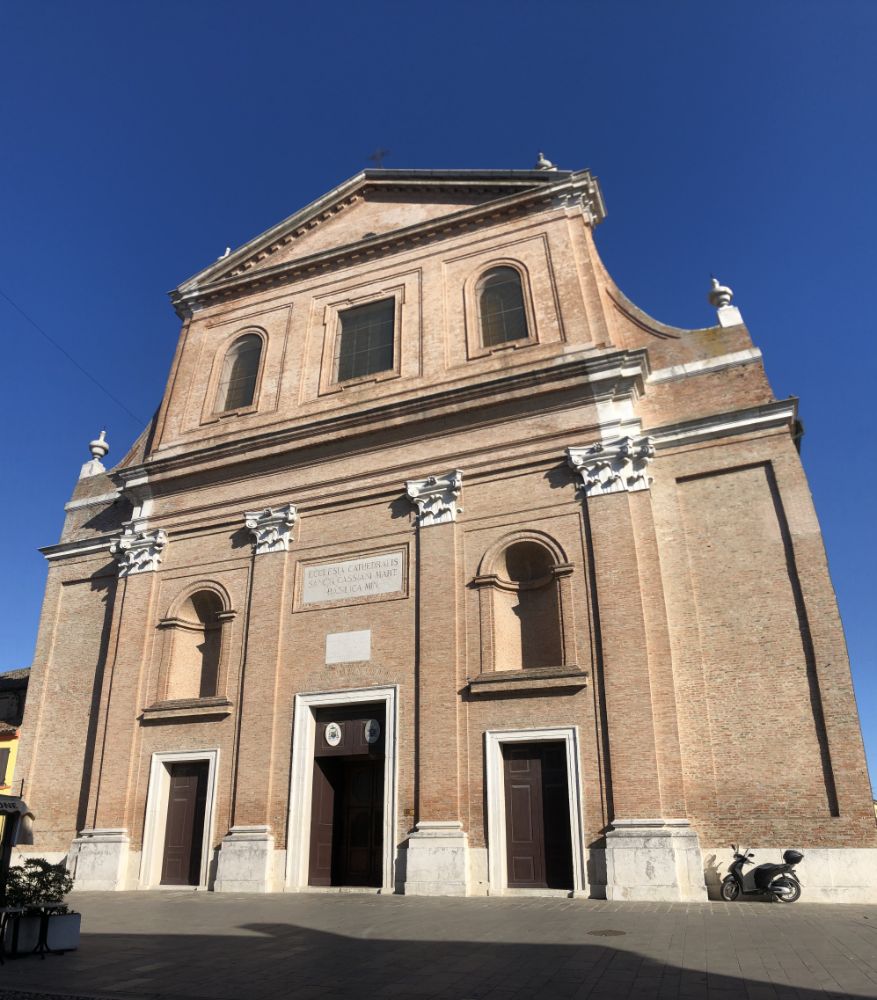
(355,579)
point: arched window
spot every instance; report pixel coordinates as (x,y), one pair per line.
(195,647)
(237,385)
(526,608)
(501,306)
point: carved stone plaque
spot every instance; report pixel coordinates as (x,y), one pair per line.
(354,580)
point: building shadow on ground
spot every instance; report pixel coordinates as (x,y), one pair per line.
(265,961)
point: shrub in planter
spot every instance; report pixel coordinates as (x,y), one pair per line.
(35,884)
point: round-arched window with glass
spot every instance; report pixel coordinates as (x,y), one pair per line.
(237,385)
(501,306)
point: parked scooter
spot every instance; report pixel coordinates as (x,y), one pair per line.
(779,881)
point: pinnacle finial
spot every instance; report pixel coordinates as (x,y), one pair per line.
(543,163)
(720,295)
(99,446)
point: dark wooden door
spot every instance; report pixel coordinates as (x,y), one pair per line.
(359,851)
(181,864)
(538,845)
(322,821)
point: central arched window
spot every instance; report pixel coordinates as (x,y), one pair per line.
(240,370)
(501,306)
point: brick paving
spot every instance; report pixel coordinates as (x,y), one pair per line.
(175,945)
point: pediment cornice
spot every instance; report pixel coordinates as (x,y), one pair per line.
(510,193)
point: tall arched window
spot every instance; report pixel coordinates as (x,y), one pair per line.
(237,385)
(526,610)
(196,647)
(501,306)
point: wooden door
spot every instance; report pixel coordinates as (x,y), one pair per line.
(184,830)
(322,821)
(538,844)
(359,855)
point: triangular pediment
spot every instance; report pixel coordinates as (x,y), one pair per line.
(373,204)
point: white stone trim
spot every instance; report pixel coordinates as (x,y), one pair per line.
(156,814)
(84,547)
(138,550)
(782,413)
(92,501)
(301,780)
(496,823)
(613,466)
(436,498)
(271,528)
(703,365)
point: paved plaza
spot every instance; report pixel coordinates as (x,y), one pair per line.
(329,946)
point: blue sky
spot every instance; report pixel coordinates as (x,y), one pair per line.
(137,141)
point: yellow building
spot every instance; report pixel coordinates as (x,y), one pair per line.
(13,690)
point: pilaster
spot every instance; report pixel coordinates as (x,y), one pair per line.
(246,853)
(437,855)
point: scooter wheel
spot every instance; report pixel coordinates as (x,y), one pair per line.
(730,890)
(790,890)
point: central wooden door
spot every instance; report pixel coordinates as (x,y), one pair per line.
(184,830)
(347,821)
(538,842)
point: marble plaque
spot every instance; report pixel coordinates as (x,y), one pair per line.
(349,647)
(355,579)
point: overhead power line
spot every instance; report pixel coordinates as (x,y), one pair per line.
(71,359)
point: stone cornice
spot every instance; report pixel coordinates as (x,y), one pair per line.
(216,284)
(782,413)
(598,376)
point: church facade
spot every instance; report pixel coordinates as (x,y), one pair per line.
(445,569)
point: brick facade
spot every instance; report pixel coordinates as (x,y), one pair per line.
(701,692)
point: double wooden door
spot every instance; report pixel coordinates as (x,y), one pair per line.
(347,818)
(538,841)
(184,829)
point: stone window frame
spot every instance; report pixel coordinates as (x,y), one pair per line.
(210,413)
(169,626)
(332,332)
(488,581)
(475,347)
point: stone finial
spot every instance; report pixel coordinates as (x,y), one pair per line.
(543,163)
(138,551)
(720,298)
(271,528)
(613,466)
(98,449)
(720,295)
(435,497)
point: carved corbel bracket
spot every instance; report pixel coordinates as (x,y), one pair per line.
(436,498)
(613,466)
(138,551)
(271,528)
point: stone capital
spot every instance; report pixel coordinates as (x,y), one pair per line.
(613,466)
(271,528)
(436,498)
(138,550)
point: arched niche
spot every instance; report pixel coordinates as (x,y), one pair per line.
(197,630)
(525,604)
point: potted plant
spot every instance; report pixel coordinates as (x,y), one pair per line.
(39,888)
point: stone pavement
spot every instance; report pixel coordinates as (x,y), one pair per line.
(175,945)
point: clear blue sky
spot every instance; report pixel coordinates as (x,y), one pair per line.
(137,141)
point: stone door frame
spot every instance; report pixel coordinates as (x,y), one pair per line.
(497,872)
(156,815)
(298,835)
